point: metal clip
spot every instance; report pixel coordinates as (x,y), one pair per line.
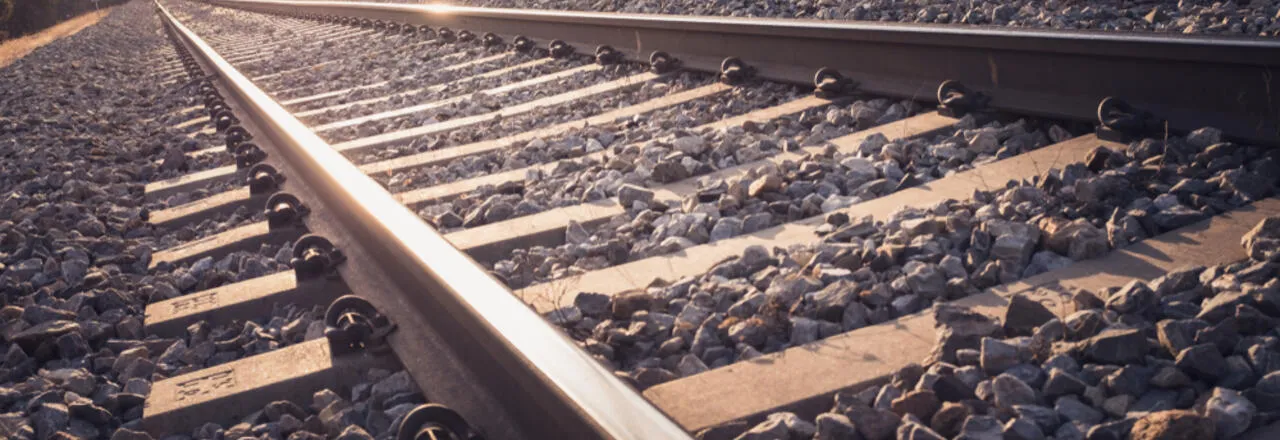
(734,71)
(352,325)
(662,62)
(224,120)
(559,49)
(249,154)
(264,179)
(606,55)
(217,106)
(522,43)
(314,257)
(435,422)
(829,83)
(445,34)
(1118,121)
(235,136)
(284,210)
(491,39)
(212,98)
(955,100)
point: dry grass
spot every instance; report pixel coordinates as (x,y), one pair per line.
(13,50)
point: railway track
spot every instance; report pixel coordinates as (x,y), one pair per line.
(567,225)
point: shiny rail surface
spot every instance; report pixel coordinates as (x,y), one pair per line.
(462,335)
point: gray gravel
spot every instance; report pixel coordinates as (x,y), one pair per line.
(1192,354)
(579,141)
(432,73)
(864,272)
(1247,17)
(763,197)
(480,103)
(497,128)
(374,409)
(80,132)
(416,94)
(206,345)
(658,161)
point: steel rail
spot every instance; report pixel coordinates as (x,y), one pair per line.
(465,339)
(1190,81)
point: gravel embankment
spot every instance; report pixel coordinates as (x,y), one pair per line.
(82,130)
(81,134)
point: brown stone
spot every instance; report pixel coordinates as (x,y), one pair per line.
(922,403)
(1172,425)
(948,420)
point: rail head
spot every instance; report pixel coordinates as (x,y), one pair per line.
(1188,80)
(467,341)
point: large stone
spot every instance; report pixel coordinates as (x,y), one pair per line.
(174,159)
(997,356)
(1134,297)
(874,424)
(961,328)
(1022,429)
(789,289)
(691,145)
(949,418)
(914,431)
(1266,393)
(33,336)
(832,426)
(49,419)
(392,385)
(1117,346)
(1062,383)
(1072,409)
(764,184)
(1014,241)
(1177,217)
(129,434)
(1023,315)
(627,303)
(1202,361)
(629,194)
(1009,391)
(981,428)
(1173,425)
(832,300)
(927,281)
(920,403)
(1231,412)
(1077,239)
(1263,241)
(1176,335)
(1044,418)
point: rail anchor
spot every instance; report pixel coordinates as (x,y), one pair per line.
(353,325)
(435,422)
(1118,121)
(955,100)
